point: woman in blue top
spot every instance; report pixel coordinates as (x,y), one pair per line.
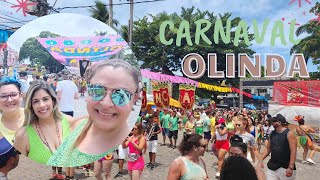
(190,165)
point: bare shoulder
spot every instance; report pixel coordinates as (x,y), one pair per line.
(177,164)
(74,122)
(21,141)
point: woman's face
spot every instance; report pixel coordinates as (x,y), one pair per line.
(202,147)
(239,124)
(104,113)
(42,104)
(135,130)
(10,98)
(235,151)
(249,121)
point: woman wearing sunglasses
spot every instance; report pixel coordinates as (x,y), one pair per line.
(12,116)
(113,88)
(239,148)
(136,143)
(190,165)
(242,129)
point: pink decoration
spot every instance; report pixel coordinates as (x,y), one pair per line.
(23,5)
(316,19)
(299,2)
(163,77)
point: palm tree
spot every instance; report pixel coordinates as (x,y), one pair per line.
(101,13)
(310,44)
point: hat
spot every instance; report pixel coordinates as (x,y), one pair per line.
(281,118)
(221,120)
(23,73)
(5,146)
(65,72)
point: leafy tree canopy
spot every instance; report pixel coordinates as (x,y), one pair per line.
(38,55)
(167,58)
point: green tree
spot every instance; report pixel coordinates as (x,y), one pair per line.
(167,58)
(32,49)
(101,13)
(309,45)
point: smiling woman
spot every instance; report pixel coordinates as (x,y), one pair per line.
(113,89)
(11,117)
(44,127)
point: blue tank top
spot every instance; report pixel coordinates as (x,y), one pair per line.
(253,132)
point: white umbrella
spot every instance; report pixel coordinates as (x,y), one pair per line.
(311,114)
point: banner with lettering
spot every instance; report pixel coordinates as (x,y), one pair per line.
(157,99)
(165,93)
(97,48)
(187,95)
(144,98)
(297,93)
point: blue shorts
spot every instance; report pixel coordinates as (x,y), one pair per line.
(165,131)
(207,135)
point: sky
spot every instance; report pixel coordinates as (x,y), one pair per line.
(248,10)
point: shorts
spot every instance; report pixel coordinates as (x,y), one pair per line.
(122,153)
(223,144)
(173,134)
(207,135)
(152,146)
(165,131)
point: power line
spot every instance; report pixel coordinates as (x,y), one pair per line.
(9,22)
(7,2)
(10,16)
(117,4)
(53,6)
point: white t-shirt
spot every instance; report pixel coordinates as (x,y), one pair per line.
(68,90)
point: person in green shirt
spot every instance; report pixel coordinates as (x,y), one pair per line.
(206,128)
(173,129)
(165,125)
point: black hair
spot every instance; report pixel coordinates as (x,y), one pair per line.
(237,167)
(187,143)
(237,141)
(4,158)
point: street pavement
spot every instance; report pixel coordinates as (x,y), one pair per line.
(29,170)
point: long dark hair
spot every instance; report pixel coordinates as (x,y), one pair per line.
(188,142)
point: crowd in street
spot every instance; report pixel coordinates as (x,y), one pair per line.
(37,121)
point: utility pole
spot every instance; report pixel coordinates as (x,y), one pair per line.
(110,13)
(131,24)
(5,61)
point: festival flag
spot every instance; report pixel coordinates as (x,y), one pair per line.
(187,95)
(165,95)
(157,95)
(144,98)
(83,66)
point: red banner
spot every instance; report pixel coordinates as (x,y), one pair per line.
(157,95)
(297,93)
(144,98)
(165,96)
(187,95)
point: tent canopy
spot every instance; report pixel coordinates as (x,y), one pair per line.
(311,114)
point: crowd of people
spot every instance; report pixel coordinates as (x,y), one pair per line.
(37,121)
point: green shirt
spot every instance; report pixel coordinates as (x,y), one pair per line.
(206,124)
(165,120)
(174,123)
(139,119)
(160,116)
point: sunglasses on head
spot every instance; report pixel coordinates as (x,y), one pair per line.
(119,97)
(238,125)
